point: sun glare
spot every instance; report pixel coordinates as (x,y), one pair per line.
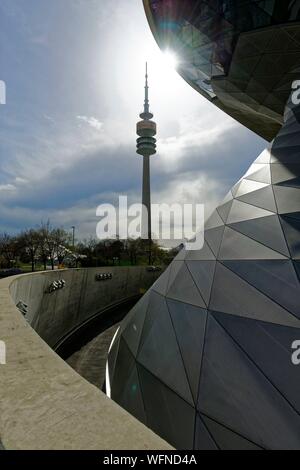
(170,59)
(164,80)
(162,69)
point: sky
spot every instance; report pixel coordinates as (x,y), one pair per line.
(74,74)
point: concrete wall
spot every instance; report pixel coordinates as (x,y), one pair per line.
(44,404)
(56,314)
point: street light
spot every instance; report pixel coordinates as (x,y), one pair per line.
(73,229)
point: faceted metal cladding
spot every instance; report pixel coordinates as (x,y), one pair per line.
(204,359)
(240,54)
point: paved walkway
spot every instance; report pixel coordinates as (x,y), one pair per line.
(90,361)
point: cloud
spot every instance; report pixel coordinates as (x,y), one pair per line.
(91,121)
(7,187)
(49,118)
(68,130)
(201,171)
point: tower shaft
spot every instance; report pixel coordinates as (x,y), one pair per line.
(146,200)
(146,147)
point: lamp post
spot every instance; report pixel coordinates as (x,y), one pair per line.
(73,236)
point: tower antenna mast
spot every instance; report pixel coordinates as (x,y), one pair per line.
(146,147)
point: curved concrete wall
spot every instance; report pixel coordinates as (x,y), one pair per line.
(55,315)
(44,404)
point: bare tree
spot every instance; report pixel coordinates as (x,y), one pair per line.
(47,243)
(8,249)
(60,239)
(30,241)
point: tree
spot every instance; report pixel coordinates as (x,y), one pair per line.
(87,255)
(60,239)
(53,243)
(30,241)
(8,249)
(43,248)
(133,247)
(47,244)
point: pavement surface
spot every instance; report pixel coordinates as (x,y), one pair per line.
(90,361)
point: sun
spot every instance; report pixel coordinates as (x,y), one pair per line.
(163,72)
(170,59)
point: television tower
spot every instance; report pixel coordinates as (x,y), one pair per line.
(146,146)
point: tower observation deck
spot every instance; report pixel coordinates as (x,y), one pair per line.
(146,147)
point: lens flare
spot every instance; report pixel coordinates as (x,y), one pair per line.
(171,59)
